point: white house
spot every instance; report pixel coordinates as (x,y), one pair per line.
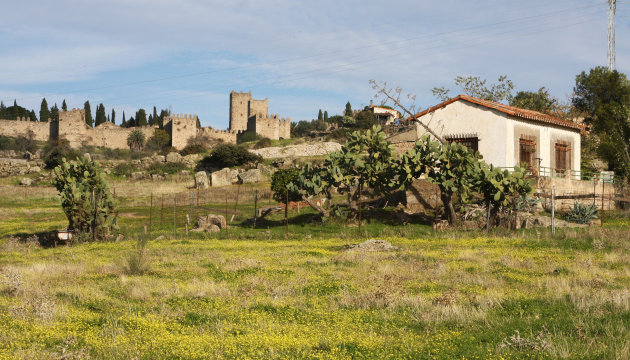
(385,116)
(505,135)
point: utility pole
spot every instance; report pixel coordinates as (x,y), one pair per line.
(612,9)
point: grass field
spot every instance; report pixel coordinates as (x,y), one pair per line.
(257,295)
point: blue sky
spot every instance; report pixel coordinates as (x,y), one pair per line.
(302,55)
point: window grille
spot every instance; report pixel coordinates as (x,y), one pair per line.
(471,141)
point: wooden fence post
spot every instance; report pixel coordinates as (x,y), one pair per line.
(227,231)
(255,207)
(175,217)
(553,210)
(151,213)
(286,216)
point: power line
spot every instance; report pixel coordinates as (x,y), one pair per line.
(404,41)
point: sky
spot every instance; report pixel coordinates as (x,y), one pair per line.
(187,55)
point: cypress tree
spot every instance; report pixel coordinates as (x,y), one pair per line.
(141,118)
(326,116)
(44,113)
(155,117)
(54,113)
(88,114)
(320,115)
(348,111)
(124,122)
(163,115)
(113,116)
(32,115)
(64,107)
(100,115)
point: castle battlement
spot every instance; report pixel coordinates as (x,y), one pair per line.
(246,115)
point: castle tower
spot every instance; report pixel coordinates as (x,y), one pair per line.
(239,110)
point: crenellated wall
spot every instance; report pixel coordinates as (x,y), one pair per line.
(246,115)
(272,127)
(72,127)
(223,135)
(182,129)
(24,127)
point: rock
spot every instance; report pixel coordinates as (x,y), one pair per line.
(157,177)
(191,159)
(173,157)
(26,182)
(161,237)
(251,176)
(138,175)
(224,177)
(371,245)
(315,149)
(202,180)
(160,158)
(119,237)
(283,163)
(210,223)
(87,156)
(136,162)
(265,169)
(28,155)
(34,169)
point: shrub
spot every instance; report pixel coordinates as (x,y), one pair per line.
(279,184)
(124,169)
(228,155)
(26,143)
(247,137)
(581,213)
(192,149)
(85,197)
(168,168)
(20,143)
(262,143)
(56,151)
(7,143)
(159,140)
(339,135)
(136,262)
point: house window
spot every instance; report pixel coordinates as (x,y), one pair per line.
(527,151)
(471,141)
(562,158)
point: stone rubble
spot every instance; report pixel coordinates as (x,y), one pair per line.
(315,149)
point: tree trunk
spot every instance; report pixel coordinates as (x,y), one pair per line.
(324,212)
(447,200)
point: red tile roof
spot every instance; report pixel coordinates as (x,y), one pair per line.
(510,110)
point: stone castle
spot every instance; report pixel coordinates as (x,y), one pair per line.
(246,115)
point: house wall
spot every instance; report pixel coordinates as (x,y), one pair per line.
(461,117)
(546,139)
(499,133)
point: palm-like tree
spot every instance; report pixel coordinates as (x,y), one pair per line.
(135,140)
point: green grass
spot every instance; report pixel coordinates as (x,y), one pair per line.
(254,294)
